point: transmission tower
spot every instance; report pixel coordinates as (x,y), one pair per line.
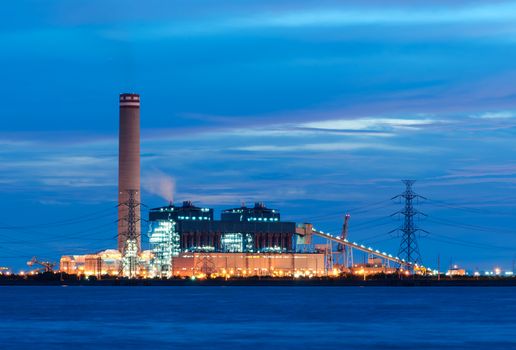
(409,249)
(130,254)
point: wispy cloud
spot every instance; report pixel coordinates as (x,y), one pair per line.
(324,147)
(305,15)
(370,124)
(505,12)
(496,115)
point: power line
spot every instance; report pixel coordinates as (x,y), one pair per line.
(468,209)
(468,244)
(456,224)
(356,210)
(48,239)
(84,218)
(375,236)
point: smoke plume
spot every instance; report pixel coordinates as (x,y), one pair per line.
(160,184)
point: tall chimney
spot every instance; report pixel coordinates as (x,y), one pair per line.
(129,171)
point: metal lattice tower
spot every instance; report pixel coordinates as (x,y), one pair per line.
(409,249)
(347,253)
(130,256)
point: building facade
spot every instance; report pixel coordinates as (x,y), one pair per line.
(240,230)
(248,265)
(164,241)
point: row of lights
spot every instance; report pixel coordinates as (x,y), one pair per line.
(193,218)
(262,219)
(369,249)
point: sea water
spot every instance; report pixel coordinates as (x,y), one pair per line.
(257,317)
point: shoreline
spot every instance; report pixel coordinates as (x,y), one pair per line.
(259,282)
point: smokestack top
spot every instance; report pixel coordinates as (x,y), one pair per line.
(130,100)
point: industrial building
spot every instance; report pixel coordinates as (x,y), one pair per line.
(373,266)
(107,262)
(455,270)
(245,241)
(164,241)
(248,265)
(244,229)
(188,241)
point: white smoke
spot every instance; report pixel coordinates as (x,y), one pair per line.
(161,184)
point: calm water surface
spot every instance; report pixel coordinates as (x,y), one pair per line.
(257,317)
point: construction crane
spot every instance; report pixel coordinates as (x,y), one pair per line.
(346,252)
(345,227)
(45,265)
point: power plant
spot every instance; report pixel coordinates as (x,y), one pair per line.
(188,241)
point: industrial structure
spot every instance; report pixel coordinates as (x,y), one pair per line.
(236,253)
(129,229)
(44,266)
(188,241)
(248,265)
(409,248)
(243,229)
(164,241)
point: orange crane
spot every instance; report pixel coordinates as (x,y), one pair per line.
(45,265)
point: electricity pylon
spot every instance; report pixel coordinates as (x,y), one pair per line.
(130,256)
(409,249)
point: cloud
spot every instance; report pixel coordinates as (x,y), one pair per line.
(369,124)
(496,115)
(504,12)
(483,171)
(304,15)
(323,147)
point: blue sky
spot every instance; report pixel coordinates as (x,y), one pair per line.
(316,108)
